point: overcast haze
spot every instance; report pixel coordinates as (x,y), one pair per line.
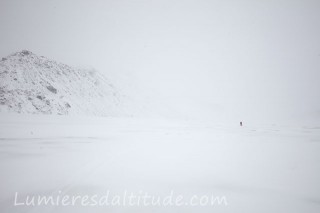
(242,59)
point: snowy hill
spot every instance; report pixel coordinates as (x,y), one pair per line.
(37,85)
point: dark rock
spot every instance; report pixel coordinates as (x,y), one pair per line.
(52,89)
(25,52)
(40,97)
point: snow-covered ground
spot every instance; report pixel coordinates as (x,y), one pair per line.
(258,168)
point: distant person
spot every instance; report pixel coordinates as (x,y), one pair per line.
(240,123)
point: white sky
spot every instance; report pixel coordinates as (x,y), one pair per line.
(246,58)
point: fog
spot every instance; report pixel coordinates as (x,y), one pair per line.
(180,76)
(230,60)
